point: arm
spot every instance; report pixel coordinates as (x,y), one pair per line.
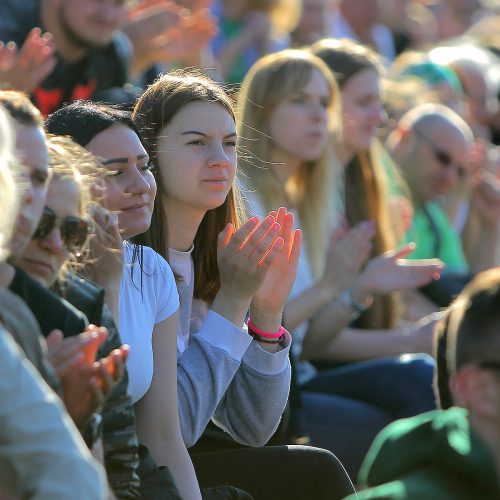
(357,345)
(157,413)
(384,274)
(480,234)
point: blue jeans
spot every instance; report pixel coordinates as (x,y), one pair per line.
(347,406)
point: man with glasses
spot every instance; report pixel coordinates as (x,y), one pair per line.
(431,145)
(455,453)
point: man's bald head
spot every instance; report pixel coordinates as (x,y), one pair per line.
(431,146)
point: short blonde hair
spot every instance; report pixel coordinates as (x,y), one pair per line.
(9,202)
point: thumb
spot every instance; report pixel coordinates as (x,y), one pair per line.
(54,337)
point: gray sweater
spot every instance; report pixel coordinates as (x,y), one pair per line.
(222,373)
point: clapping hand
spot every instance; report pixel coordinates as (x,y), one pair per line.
(25,68)
(269,300)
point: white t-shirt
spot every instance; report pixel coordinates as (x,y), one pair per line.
(141,309)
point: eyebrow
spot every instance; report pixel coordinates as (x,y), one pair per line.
(195,132)
(123,160)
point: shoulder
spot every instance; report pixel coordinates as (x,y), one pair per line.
(152,265)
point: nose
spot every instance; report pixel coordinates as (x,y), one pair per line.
(53,242)
(378,114)
(28,193)
(218,157)
(138,184)
(318,112)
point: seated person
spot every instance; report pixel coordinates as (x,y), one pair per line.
(46,458)
(453,453)
(431,146)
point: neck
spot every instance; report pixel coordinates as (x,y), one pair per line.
(51,22)
(284,165)
(183,224)
(344,154)
(489,432)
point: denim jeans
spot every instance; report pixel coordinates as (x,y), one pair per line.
(345,407)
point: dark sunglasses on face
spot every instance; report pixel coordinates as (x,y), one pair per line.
(442,156)
(74,230)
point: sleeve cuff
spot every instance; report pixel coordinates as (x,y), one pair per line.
(221,333)
(265,362)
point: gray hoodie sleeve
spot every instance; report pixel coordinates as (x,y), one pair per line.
(223,372)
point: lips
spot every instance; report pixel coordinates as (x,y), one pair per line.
(137,206)
(39,264)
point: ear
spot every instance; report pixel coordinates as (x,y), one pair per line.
(457,384)
(474,388)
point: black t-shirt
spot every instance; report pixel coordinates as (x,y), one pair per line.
(100,76)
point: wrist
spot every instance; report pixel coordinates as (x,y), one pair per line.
(263,319)
(234,309)
(360,293)
(326,291)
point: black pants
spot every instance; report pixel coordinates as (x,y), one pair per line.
(276,472)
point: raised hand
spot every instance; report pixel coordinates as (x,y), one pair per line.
(269,300)
(245,256)
(390,272)
(486,198)
(173,32)
(347,254)
(25,68)
(73,359)
(104,264)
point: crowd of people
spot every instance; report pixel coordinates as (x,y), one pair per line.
(249,249)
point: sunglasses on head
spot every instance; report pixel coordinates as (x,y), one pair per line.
(442,156)
(74,230)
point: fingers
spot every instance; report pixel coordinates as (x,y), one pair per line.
(260,241)
(295,250)
(54,337)
(267,261)
(400,253)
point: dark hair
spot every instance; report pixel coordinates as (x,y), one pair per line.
(442,374)
(475,322)
(346,58)
(83,120)
(20,108)
(154,110)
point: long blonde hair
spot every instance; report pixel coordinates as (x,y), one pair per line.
(271,80)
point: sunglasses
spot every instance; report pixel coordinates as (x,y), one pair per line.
(442,156)
(74,230)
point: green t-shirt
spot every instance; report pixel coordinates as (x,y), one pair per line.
(433,456)
(435,238)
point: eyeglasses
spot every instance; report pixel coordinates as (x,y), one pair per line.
(442,156)
(74,230)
